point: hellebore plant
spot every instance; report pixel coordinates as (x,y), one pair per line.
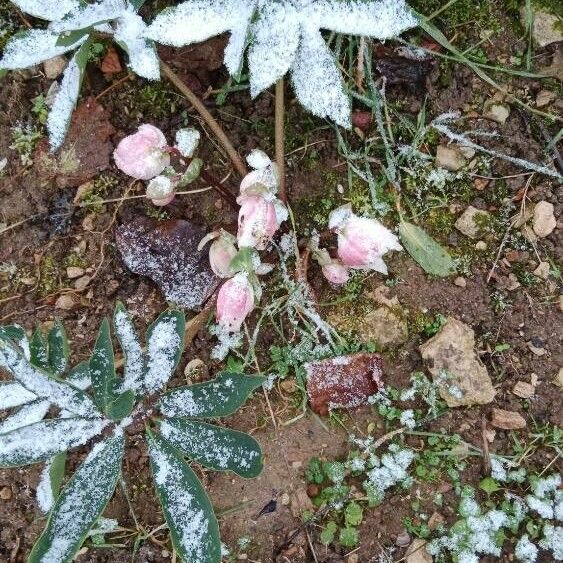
(43,384)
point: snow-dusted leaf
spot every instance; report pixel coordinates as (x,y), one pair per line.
(50,482)
(80,503)
(42,440)
(12,332)
(87,15)
(14,395)
(59,350)
(121,407)
(131,347)
(39,351)
(28,414)
(165,344)
(317,81)
(59,117)
(102,368)
(49,10)
(79,376)
(219,448)
(33,47)
(37,381)
(221,396)
(188,512)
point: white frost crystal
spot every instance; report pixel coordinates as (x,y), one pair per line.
(187,141)
(525,550)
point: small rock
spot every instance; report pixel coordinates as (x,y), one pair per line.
(196,369)
(472,222)
(559,378)
(481,245)
(381,295)
(507,420)
(544,98)
(537,341)
(513,282)
(354,558)
(450,158)
(403,539)
(435,520)
(467,152)
(544,220)
(66,302)
(462,378)
(288,385)
(284,499)
(300,502)
(545,29)
(417,553)
(73,272)
(542,271)
(536,350)
(5,493)
(561,303)
(54,67)
(82,283)
(386,327)
(460,282)
(524,390)
(480,184)
(497,112)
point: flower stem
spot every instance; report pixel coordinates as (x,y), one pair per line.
(280,137)
(207,117)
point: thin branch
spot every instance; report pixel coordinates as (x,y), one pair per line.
(280,136)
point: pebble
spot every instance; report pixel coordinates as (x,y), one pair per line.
(544,98)
(450,158)
(73,272)
(82,283)
(537,351)
(544,219)
(417,552)
(65,302)
(5,493)
(460,282)
(481,245)
(354,558)
(524,390)
(542,271)
(471,222)
(284,499)
(497,112)
(403,539)
(559,378)
(54,67)
(507,420)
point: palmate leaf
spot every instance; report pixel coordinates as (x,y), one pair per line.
(80,503)
(219,448)
(40,441)
(188,512)
(221,396)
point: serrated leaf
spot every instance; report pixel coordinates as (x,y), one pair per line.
(188,512)
(42,440)
(433,258)
(165,344)
(489,485)
(59,350)
(221,396)
(327,535)
(39,382)
(219,448)
(28,414)
(134,362)
(349,537)
(80,504)
(102,368)
(14,395)
(353,514)
(121,406)
(39,352)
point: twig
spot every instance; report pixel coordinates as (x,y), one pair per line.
(486,454)
(207,117)
(280,136)
(117,83)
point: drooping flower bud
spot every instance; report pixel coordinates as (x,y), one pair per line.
(142,155)
(259,219)
(235,302)
(161,190)
(221,252)
(263,180)
(362,242)
(335,272)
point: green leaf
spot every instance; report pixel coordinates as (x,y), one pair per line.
(187,509)
(57,473)
(79,375)
(137,4)
(219,448)
(134,363)
(42,440)
(327,535)
(489,485)
(353,514)
(12,332)
(38,348)
(244,260)
(71,37)
(102,368)
(433,258)
(122,406)
(59,350)
(80,504)
(349,537)
(165,344)
(221,396)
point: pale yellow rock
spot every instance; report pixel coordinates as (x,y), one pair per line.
(507,420)
(472,222)
(524,390)
(544,220)
(559,378)
(416,553)
(450,158)
(73,272)
(542,271)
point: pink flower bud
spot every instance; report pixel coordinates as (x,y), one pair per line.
(336,273)
(161,191)
(221,254)
(362,242)
(259,219)
(142,154)
(235,302)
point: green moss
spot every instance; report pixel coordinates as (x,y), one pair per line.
(440,222)
(48,276)
(154,100)
(74,260)
(98,192)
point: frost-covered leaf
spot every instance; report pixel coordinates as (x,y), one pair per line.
(59,350)
(59,117)
(433,258)
(317,81)
(87,15)
(221,396)
(165,344)
(79,376)
(131,347)
(33,47)
(12,332)
(102,368)
(39,351)
(188,512)
(28,414)
(121,406)
(46,9)
(42,440)
(215,447)
(50,482)
(14,395)
(37,381)
(80,503)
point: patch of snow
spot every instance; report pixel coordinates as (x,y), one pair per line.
(28,414)
(525,550)
(44,491)
(14,395)
(49,10)
(129,342)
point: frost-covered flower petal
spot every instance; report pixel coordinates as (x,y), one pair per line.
(235,302)
(187,141)
(49,10)
(33,47)
(336,273)
(161,191)
(258,222)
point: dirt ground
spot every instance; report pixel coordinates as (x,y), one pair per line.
(55,234)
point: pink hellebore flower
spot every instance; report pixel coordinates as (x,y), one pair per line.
(161,191)
(221,252)
(142,155)
(362,242)
(235,302)
(336,273)
(259,219)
